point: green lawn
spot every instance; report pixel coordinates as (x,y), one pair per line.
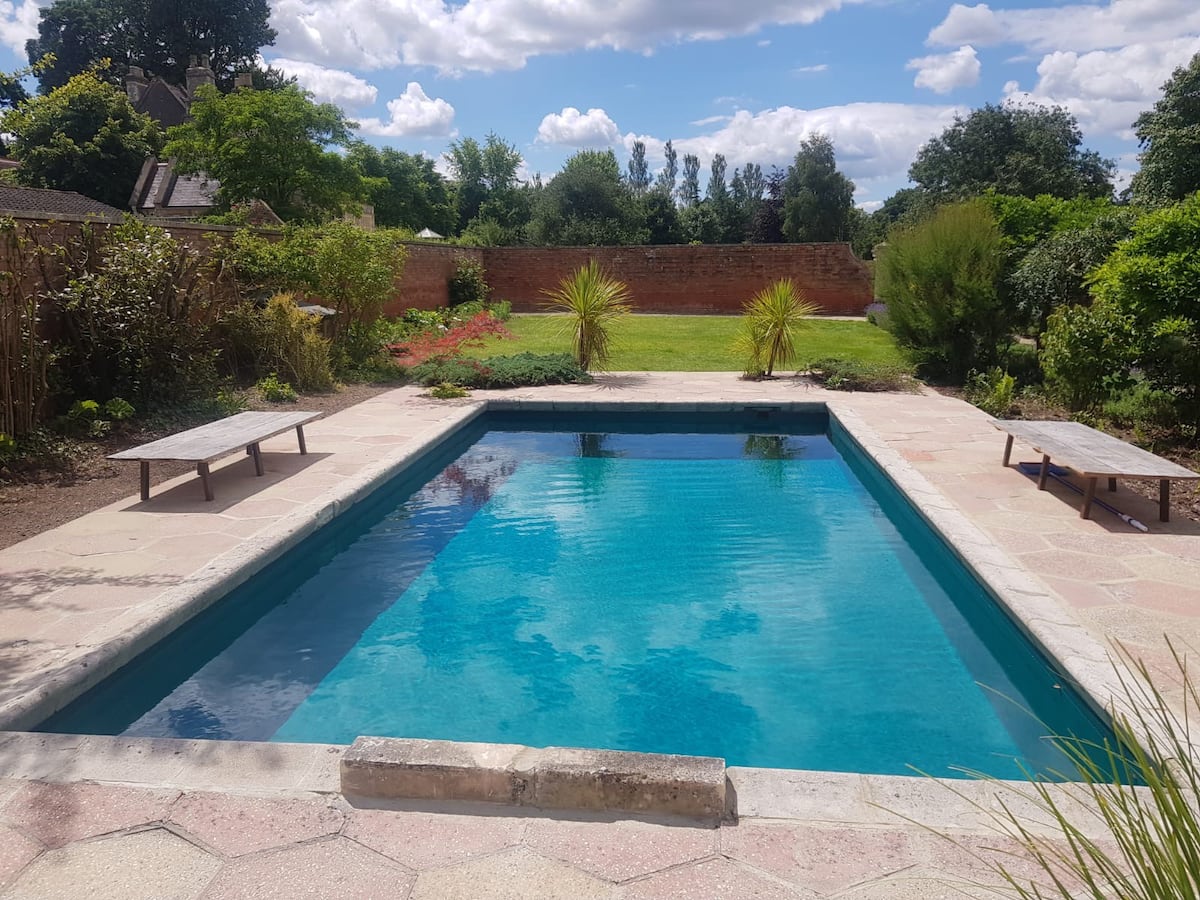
(692,343)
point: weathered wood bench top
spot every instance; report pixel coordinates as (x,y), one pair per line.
(1090,452)
(206,443)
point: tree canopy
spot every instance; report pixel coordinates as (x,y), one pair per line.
(1024,150)
(271,146)
(84,136)
(162,36)
(588,203)
(405,189)
(1169,135)
(487,185)
(817,198)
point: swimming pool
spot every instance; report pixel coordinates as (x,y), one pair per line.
(745,586)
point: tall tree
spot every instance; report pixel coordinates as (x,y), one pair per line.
(639,170)
(405,189)
(817,198)
(83,136)
(1169,135)
(662,218)
(1023,150)
(766,224)
(670,170)
(486,181)
(588,203)
(689,188)
(272,146)
(162,36)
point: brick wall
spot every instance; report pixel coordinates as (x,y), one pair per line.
(677,279)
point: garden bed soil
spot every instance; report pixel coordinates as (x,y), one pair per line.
(38,500)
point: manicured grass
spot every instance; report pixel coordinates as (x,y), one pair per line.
(692,343)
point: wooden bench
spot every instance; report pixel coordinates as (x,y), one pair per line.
(1094,455)
(216,439)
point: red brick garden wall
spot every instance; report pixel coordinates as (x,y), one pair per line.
(677,279)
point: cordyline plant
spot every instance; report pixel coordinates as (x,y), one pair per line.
(770,325)
(439,344)
(1126,826)
(592,301)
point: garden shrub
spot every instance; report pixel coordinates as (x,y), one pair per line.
(438,344)
(1141,406)
(519,370)
(771,322)
(859,375)
(941,281)
(1086,353)
(992,391)
(273,390)
(467,284)
(447,390)
(279,337)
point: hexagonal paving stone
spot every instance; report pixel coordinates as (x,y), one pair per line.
(713,878)
(512,875)
(820,859)
(619,851)
(422,840)
(239,825)
(16,852)
(154,864)
(57,814)
(334,868)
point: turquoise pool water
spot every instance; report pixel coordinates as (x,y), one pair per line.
(748,588)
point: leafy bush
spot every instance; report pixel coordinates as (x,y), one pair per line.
(858,375)
(877,314)
(1141,406)
(992,391)
(467,284)
(771,321)
(1086,353)
(279,337)
(520,370)
(273,390)
(447,391)
(941,281)
(444,344)
(592,302)
(118,410)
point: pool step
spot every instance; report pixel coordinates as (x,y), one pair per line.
(553,778)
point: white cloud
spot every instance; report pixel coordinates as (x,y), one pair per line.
(18,23)
(764,43)
(943,72)
(413,114)
(330,85)
(489,35)
(571,128)
(709,120)
(801,70)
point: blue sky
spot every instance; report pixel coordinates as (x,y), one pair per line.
(749,80)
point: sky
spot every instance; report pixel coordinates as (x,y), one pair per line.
(749,79)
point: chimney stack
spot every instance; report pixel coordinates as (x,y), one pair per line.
(198,73)
(243,80)
(135,84)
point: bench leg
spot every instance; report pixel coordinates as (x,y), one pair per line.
(300,436)
(1044,473)
(145,480)
(1164,501)
(202,468)
(1088,496)
(256,452)
(1112,484)
(1007,450)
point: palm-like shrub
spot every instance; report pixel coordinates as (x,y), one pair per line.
(772,321)
(593,301)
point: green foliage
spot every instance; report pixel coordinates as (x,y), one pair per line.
(588,203)
(1154,278)
(1025,221)
(278,337)
(592,302)
(467,284)
(273,390)
(118,410)
(861,375)
(447,391)
(1142,407)
(992,391)
(1024,150)
(771,322)
(941,281)
(8,447)
(135,320)
(487,185)
(85,410)
(405,189)
(662,218)
(1086,353)
(159,35)
(519,370)
(83,136)
(1170,138)
(270,146)
(817,198)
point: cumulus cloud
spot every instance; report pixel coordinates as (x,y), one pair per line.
(330,85)
(18,23)
(490,35)
(943,72)
(571,128)
(413,114)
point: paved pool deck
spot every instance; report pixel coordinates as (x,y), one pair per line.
(101,817)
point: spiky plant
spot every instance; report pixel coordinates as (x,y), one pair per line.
(771,324)
(592,301)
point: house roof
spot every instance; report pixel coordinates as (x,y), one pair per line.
(167,104)
(23,199)
(159,187)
